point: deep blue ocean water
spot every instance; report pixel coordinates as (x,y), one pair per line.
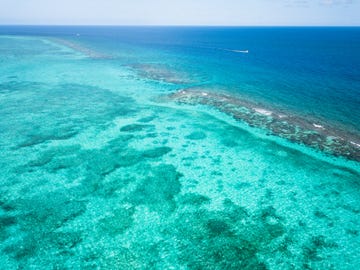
(179,147)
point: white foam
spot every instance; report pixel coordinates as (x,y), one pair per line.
(204,94)
(318,126)
(263,111)
(354,143)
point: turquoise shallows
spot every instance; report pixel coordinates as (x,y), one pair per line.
(179,148)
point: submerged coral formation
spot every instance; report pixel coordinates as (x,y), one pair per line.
(291,127)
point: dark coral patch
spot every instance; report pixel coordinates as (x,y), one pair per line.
(158,188)
(156,152)
(41,216)
(146,119)
(120,220)
(193,199)
(135,127)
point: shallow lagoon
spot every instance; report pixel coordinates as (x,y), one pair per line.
(99,169)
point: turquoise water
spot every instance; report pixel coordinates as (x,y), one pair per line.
(162,148)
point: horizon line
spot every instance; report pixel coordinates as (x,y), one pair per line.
(174,25)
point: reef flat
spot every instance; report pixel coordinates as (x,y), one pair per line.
(291,127)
